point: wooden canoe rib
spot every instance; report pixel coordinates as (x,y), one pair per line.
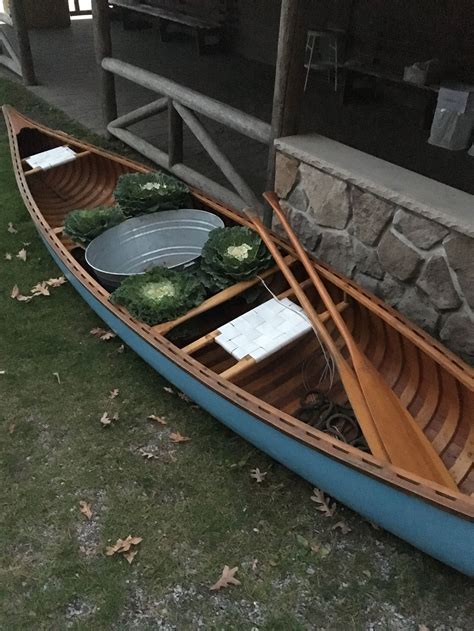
(434,385)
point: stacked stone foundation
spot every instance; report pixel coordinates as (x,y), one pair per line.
(418,265)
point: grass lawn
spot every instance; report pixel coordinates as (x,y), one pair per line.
(195,504)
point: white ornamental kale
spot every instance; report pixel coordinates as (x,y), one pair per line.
(158,291)
(151,186)
(239,252)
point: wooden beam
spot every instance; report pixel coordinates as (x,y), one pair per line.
(289,81)
(20,26)
(175,135)
(135,116)
(218,156)
(103,48)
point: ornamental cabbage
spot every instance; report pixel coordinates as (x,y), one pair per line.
(159,295)
(139,193)
(84,225)
(231,255)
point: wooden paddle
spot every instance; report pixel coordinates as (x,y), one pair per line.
(403,440)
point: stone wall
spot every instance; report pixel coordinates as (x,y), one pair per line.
(421,267)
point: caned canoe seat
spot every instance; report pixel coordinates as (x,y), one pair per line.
(51,158)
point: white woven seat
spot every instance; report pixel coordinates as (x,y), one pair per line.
(51,158)
(263,330)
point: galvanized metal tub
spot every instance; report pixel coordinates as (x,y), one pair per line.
(169,238)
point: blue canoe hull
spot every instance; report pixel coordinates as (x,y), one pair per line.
(444,535)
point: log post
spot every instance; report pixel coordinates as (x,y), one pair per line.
(289,81)
(175,135)
(20,26)
(103,48)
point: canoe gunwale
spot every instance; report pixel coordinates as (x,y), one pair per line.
(454,502)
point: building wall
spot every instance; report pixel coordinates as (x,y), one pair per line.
(419,266)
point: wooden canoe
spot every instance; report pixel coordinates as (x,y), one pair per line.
(259,400)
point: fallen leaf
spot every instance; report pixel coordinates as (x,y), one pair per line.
(184,397)
(3,372)
(40,289)
(324,504)
(11,228)
(258,475)
(15,292)
(108,335)
(147,454)
(121,348)
(254,565)
(56,282)
(11,428)
(168,390)
(102,334)
(302,541)
(106,420)
(324,551)
(130,555)
(56,374)
(21,298)
(227,578)
(21,255)
(8,256)
(158,419)
(423,627)
(123,545)
(343,527)
(176,437)
(114,393)
(86,509)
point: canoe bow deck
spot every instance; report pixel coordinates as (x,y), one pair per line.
(259,400)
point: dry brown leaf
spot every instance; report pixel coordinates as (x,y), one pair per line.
(106,420)
(158,419)
(11,228)
(56,282)
(254,565)
(121,348)
(108,335)
(56,374)
(3,372)
(168,390)
(374,525)
(343,527)
(423,627)
(258,475)
(227,578)
(8,256)
(176,437)
(15,292)
(40,289)
(130,555)
(324,504)
(11,428)
(123,545)
(21,255)
(86,509)
(114,393)
(184,397)
(147,454)
(22,298)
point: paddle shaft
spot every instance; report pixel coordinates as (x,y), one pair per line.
(403,440)
(346,374)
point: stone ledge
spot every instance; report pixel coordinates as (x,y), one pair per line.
(436,201)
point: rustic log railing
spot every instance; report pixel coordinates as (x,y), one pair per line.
(15,50)
(183,105)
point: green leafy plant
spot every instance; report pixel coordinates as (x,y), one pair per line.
(139,193)
(84,225)
(231,255)
(159,295)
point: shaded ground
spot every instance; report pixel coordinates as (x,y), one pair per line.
(195,504)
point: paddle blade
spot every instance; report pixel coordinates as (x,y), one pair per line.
(406,444)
